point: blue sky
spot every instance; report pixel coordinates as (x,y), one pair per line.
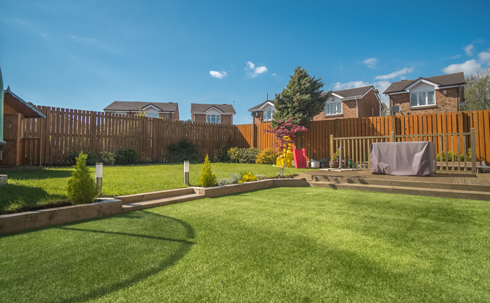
(87,54)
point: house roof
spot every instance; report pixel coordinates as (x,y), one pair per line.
(444,80)
(137,105)
(202,108)
(257,107)
(353,92)
(21,106)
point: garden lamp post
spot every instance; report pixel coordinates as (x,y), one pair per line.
(99,166)
(186,172)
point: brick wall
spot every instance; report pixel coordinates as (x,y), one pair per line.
(366,106)
(259,118)
(444,103)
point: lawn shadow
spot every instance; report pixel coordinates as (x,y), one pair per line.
(39,174)
(26,196)
(172,259)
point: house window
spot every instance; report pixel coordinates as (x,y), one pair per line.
(333,107)
(213,119)
(268,114)
(151,115)
(422,99)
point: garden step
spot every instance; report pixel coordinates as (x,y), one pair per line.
(156,195)
(159,202)
(427,183)
(432,192)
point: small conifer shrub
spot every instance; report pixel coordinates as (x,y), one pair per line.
(81,186)
(208,179)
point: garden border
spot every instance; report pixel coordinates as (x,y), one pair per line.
(24,221)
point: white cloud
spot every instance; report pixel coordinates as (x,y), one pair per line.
(455,57)
(403,71)
(469,49)
(371,62)
(470,67)
(352,84)
(274,75)
(484,56)
(253,71)
(219,75)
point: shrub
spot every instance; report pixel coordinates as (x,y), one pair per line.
(208,179)
(248,178)
(233,154)
(126,156)
(81,187)
(233,179)
(182,151)
(108,158)
(71,158)
(247,155)
(222,155)
(268,156)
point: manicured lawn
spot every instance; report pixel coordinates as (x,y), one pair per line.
(37,187)
(275,245)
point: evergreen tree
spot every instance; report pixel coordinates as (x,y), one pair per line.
(81,186)
(302,99)
(208,179)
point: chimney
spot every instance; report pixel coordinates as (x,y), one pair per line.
(267,98)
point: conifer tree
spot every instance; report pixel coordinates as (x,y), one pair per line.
(81,186)
(208,179)
(302,99)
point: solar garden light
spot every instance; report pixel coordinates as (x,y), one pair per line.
(186,172)
(98,175)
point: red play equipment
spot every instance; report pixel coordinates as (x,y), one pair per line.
(299,158)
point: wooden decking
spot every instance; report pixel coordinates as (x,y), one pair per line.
(448,184)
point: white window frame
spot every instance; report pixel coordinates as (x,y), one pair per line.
(422,96)
(213,118)
(269,113)
(151,115)
(335,104)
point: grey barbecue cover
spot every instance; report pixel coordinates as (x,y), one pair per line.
(403,158)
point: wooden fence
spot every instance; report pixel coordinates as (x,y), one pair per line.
(316,139)
(49,141)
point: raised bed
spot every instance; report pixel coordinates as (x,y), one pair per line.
(53,216)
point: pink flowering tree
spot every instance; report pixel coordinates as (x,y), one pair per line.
(285,132)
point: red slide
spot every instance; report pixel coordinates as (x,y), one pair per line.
(299,158)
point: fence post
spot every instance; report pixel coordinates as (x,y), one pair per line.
(254,135)
(392,136)
(331,146)
(473,150)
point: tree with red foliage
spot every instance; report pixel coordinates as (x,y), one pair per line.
(285,132)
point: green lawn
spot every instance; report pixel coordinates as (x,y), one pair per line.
(36,187)
(275,245)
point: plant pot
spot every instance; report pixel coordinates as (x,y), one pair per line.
(333,164)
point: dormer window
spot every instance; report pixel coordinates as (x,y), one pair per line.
(213,119)
(422,99)
(333,106)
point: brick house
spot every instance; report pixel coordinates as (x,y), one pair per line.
(356,102)
(212,113)
(439,94)
(263,112)
(348,103)
(168,111)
